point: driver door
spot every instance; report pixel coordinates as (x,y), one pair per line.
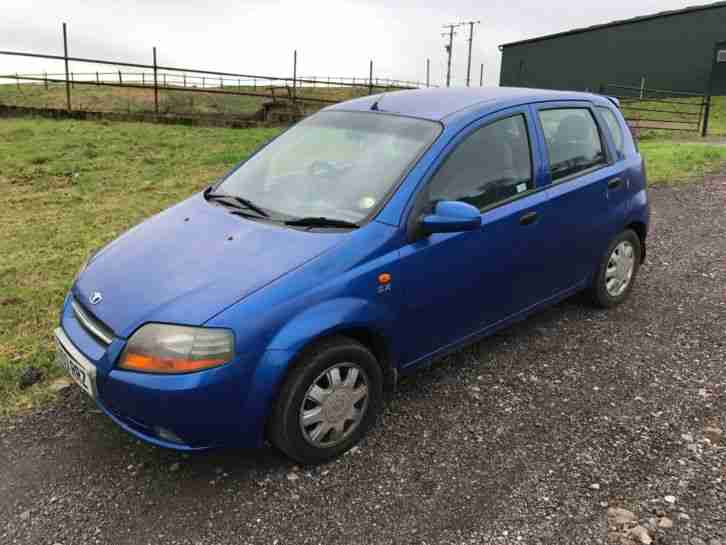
(459,284)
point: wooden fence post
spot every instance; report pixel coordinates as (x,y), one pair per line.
(65,57)
(156,85)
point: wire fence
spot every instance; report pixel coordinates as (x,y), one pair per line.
(168,90)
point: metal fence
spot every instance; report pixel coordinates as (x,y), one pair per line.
(657,109)
(165,84)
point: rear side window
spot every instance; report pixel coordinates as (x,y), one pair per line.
(573,141)
(491,165)
(614,128)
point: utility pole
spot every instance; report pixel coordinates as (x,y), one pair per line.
(428,72)
(481,76)
(448,47)
(471,39)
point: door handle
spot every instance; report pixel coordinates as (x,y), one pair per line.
(528,219)
(615,183)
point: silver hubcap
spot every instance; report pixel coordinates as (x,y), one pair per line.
(334,405)
(620,269)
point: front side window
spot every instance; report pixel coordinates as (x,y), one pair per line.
(338,165)
(613,127)
(573,141)
(491,165)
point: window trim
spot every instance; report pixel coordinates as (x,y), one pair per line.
(416,205)
(532,164)
(608,158)
(600,109)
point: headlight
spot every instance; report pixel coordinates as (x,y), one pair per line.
(161,348)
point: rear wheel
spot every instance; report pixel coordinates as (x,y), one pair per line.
(328,402)
(618,268)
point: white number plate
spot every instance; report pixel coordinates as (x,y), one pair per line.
(82,373)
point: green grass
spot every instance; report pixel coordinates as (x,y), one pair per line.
(134,100)
(68,187)
(672,161)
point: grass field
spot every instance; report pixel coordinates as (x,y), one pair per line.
(677,162)
(135,100)
(68,187)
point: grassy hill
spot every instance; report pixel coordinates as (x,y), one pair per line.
(90,97)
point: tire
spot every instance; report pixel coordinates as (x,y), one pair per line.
(338,399)
(605,291)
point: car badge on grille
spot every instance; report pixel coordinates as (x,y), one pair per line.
(95,298)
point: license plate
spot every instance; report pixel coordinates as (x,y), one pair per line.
(82,374)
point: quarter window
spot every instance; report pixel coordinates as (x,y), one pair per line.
(613,127)
(573,141)
(491,165)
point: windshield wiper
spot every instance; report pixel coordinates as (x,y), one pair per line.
(322,222)
(246,203)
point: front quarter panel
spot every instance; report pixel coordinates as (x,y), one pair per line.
(337,291)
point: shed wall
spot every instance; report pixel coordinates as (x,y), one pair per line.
(673,52)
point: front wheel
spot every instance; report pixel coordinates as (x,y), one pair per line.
(616,274)
(328,402)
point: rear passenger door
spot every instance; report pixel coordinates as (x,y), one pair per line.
(583,174)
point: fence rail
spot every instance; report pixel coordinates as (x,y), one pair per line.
(296,91)
(659,109)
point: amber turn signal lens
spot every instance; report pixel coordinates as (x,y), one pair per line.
(384,278)
(166,348)
(150,364)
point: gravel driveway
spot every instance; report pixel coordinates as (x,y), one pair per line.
(531,436)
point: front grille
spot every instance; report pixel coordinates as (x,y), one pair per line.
(97,329)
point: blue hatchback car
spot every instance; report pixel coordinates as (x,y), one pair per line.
(281,302)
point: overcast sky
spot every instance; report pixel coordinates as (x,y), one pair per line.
(333,38)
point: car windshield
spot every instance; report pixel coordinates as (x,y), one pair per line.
(336,165)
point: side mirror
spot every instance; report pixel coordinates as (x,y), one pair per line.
(451,217)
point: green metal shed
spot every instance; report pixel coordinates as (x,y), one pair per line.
(672,50)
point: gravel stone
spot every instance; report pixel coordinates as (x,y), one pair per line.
(444,468)
(621,516)
(713,434)
(641,535)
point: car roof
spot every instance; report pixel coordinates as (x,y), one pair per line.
(438,104)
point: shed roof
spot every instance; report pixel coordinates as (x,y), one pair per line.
(638,19)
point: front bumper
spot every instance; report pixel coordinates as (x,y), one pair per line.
(226,405)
